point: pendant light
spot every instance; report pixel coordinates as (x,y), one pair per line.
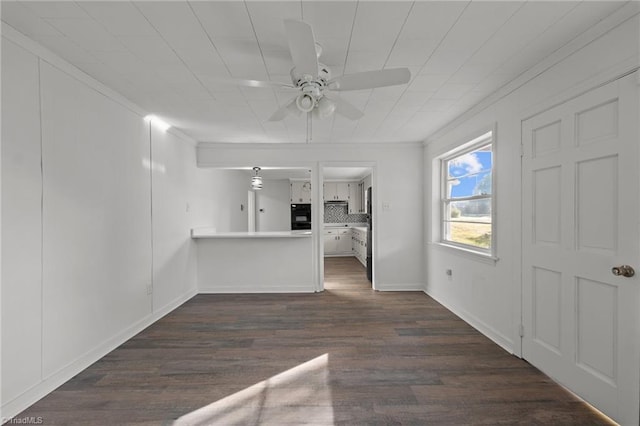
(256,181)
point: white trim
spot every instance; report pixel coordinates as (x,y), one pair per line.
(400,287)
(251,212)
(465,252)
(317,226)
(486,137)
(373,166)
(49,384)
(485,329)
(254,145)
(206,146)
(256,289)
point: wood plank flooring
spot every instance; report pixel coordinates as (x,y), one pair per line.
(347,356)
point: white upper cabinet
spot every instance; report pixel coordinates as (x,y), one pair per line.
(355,197)
(300,191)
(336,191)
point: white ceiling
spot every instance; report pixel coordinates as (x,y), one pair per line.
(169,57)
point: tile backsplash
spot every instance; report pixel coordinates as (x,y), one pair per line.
(339,213)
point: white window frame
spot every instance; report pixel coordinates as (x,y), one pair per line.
(487,138)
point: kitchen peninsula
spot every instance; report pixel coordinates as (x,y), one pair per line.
(254,262)
(198,233)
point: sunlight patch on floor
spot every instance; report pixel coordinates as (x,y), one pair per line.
(300,395)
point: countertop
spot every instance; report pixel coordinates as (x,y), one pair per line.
(359,226)
(345,225)
(211,233)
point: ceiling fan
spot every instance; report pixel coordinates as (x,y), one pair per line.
(314,84)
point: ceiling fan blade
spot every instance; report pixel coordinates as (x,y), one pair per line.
(254,83)
(371,79)
(287,109)
(346,108)
(263,84)
(302,45)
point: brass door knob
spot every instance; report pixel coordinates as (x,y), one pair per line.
(623,271)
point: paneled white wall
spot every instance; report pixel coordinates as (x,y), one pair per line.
(21,222)
(399,180)
(486,294)
(78,276)
(96,221)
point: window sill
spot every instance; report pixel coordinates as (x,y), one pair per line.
(465,252)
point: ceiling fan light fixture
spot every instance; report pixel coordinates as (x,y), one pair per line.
(305,102)
(326,107)
(311,78)
(256,181)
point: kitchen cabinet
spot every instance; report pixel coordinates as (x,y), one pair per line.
(337,242)
(300,191)
(330,243)
(344,242)
(355,197)
(336,191)
(359,244)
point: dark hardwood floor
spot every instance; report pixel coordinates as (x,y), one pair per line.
(349,356)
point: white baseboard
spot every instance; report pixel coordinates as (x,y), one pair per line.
(49,384)
(498,338)
(400,287)
(255,288)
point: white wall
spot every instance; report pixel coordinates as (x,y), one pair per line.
(229,190)
(181,200)
(273,206)
(96,218)
(77,211)
(21,222)
(485,293)
(398,178)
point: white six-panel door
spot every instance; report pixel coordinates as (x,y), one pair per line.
(580,219)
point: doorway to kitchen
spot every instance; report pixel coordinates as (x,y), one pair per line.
(347,229)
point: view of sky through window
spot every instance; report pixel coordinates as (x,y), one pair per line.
(467,199)
(470,174)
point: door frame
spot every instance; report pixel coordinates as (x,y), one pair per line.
(318,211)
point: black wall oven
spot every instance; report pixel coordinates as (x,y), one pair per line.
(300,216)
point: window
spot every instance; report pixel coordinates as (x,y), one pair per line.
(467,196)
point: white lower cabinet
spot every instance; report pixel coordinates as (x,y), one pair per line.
(330,243)
(346,242)
(337,242)
(359,245)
